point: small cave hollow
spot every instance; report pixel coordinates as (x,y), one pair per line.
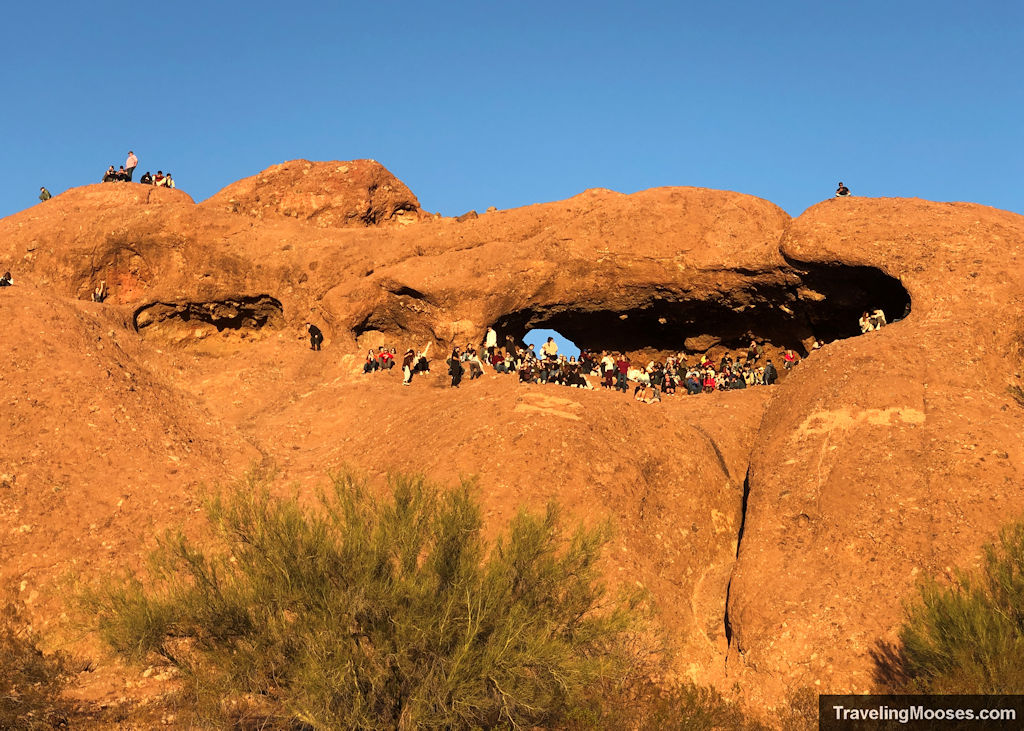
(233,314)
(825,305)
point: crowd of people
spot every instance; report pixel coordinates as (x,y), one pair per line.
(125,172)
(607,369)
(611,370)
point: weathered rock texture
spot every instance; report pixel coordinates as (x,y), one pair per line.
(879,459)
(325,194)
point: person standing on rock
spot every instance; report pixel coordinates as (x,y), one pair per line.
(455,369)
(315,336)
(491,342)
(407,363)
(44,194)
(770,374)
(130,164)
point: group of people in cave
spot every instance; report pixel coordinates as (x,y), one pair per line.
(611,370)
(607,369)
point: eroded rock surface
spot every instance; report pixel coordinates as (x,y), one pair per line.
(879,459)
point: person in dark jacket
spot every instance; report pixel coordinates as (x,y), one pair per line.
(5,280)
(315,336)
(770,374)
(44,194)
(407,363)
(455,368)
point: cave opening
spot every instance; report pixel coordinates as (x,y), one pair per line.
(236,313)
(824,304)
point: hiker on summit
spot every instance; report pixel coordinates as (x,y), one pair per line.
(146,178)
(315,336)
(6,281)
(842,191)
(110,175)
(44,194)
(130,164)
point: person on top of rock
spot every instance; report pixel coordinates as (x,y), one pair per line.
(789,359)
(100,293)
(370,364)
(110,175)
(169,181)
(130,164)
(842,191)
(6,281)
(455,369)
(877,319)
(770,374)
(44,194)
(316,337)
(159,179)
(865,323)
(146,178)
(121,175)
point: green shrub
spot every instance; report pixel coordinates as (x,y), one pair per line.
(30,680)
(969,637)
(360,612)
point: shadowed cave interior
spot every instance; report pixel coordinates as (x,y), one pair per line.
(826,305)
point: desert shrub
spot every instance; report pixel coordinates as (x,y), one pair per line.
(969,637)
(361,612)
(31,681)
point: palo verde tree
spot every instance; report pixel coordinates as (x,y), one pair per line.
(366,612)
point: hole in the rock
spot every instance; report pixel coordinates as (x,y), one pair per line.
(826,305)
(236,313)
(539,336)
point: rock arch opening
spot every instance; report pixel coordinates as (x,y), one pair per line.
(538,336)
(818,302)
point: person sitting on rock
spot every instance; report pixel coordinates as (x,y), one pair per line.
(100,293)
(146,178)
(789,359)
(842,191)
(370,364)
(877,319)
(121,175)
(110,175)
(6,281)
(422,365)
(315,336)
(159,179)
(169,181)
(44,194)
(865,323)
(549,349)
(770,374)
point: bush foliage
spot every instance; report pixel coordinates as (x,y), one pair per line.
(31,681)
(360,612)
(969,637)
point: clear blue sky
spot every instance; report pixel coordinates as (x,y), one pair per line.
(475,104)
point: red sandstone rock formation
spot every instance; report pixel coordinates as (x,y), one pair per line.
(879,459)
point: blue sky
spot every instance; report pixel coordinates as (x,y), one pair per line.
(475,104)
